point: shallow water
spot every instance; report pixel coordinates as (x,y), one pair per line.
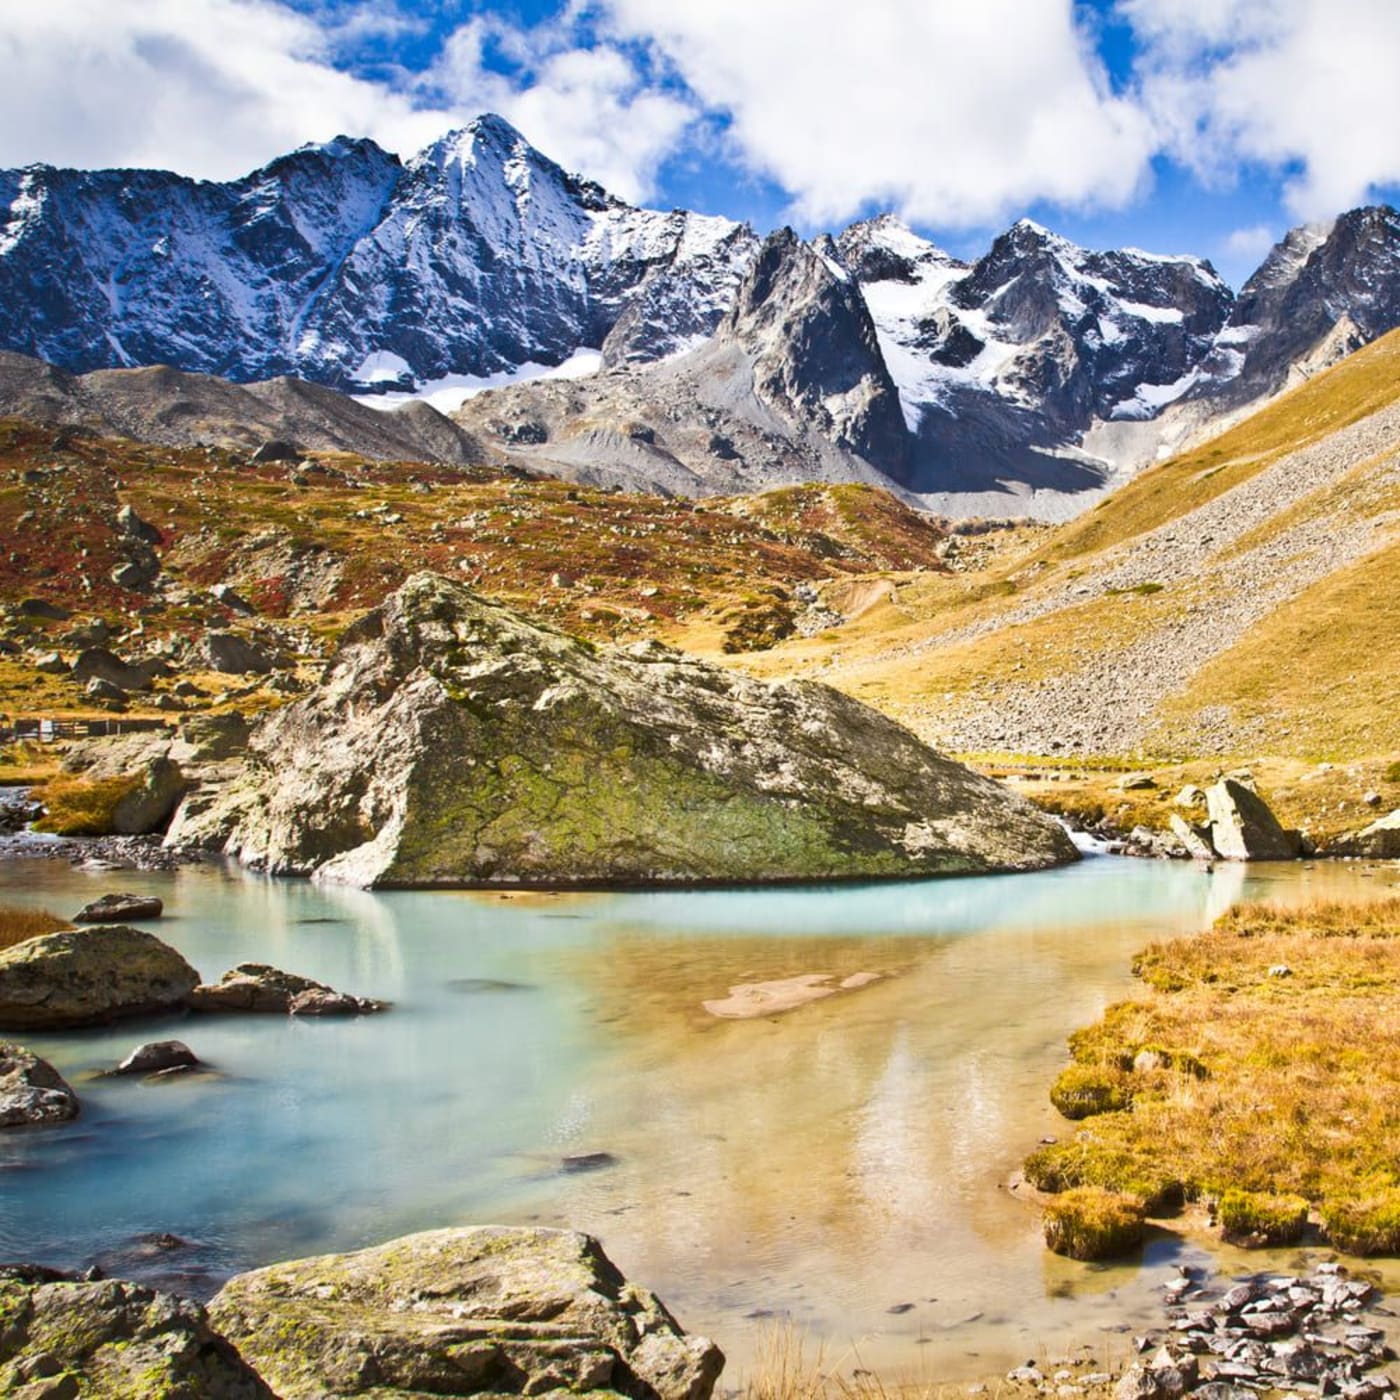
(826,1167)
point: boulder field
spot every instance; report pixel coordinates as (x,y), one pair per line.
(452,742)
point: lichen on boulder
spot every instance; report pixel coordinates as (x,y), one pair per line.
(460,1312)
(88,977)
(453,742)
(73,1337)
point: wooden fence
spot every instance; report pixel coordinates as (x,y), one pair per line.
(46,731)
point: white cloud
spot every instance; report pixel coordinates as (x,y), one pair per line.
(586,107)
(1249,244)
(215,88)
(952,113)
(1305,86)
(207,87)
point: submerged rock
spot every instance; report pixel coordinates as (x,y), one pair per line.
(87,977)
(453,742)
(32,1090)
(460,1312)
(71,1337)
(116,908)
(260,988)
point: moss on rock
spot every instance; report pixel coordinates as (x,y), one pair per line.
(452,742)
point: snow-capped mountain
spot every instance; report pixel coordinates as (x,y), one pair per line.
(1024,382)
(1003,363)
(1323,291)
(343,265)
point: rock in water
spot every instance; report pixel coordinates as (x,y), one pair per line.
(1243,828)
(452,742)
(87,977)
(458,1312)
(112,1338)
(115,908)
(157,1055)
(32,1090)
(257,987)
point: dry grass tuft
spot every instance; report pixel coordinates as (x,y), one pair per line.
(1280,1074)
(19,925)
(1088,1222)
(82,807)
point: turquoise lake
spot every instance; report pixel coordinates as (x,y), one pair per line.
(819,1168)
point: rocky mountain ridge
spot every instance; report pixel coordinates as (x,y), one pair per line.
(341,264)
(1027,382)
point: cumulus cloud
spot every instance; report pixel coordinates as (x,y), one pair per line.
(1301,86)
(1249,243)
(954,114)
(209,87)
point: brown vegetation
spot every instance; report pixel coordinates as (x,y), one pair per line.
(17,924)
(1263,1062)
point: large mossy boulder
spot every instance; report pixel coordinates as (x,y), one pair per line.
(453,742)
(88,977)
(68,1338)
(461,1312)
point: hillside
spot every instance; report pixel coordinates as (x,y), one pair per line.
(1236,603)
(306,546)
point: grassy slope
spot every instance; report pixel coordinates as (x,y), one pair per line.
(1357,387)
(314,549)
(1318,676)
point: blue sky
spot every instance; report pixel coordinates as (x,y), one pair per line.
(1206,126)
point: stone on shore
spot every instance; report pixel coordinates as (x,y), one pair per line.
(462,1312)
(1243,828)
(69,1338)
(1379,841)
(88,977)
(118,908)
(32,1091)
(256,987)
(453,742)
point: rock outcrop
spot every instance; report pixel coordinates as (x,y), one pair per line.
(1243,828)
(452,742)
(460,1312)
(1379,841)
(32,1090)
(65,1338)
(88,977)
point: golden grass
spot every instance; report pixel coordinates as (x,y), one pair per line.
(1317,677)
(80,806)
(17,925)
(1280,1076)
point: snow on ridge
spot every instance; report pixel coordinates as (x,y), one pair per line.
(451,391)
